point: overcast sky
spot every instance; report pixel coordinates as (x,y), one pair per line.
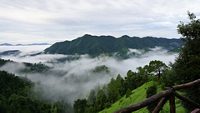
(29,21)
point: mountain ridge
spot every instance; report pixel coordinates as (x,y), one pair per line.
(31,44)
(95,45)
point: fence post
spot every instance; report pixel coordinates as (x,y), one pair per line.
(160,105)
(172,103)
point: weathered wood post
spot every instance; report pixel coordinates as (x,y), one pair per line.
(160,105)
(172,101)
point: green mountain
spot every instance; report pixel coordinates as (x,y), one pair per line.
(95,45)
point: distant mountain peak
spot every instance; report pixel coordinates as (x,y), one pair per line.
(8,44)
(87,35)
(5,44)
(125,36)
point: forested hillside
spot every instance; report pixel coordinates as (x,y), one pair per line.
(96,45)
(16,96)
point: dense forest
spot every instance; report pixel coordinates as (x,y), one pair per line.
(17,97)
(17,94)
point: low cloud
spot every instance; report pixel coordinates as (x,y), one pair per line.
(69,80)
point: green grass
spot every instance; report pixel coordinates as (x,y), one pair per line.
(138,95)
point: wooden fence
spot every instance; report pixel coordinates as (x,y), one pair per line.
(163,96)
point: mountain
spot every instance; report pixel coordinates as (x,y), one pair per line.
(5,44)
(32,44)
(38,44)
(10,52)
(95,45)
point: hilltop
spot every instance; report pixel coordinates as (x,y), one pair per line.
(96,45)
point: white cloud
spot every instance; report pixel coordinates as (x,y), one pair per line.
(67,19)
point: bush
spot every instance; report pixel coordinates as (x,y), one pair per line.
(152,90)
(128,93)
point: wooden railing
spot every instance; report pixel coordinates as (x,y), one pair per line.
(163,96)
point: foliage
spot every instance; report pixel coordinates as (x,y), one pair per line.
(154,68)
(36,67)
(187,66)
(11,84)
(80,105)
(3,62)
(152,90)
(101,100)
(157,67)
(15,97)
(101,68)
(128,93)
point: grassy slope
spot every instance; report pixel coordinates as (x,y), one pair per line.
(139,95)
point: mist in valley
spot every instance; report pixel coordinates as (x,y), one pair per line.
(68,80)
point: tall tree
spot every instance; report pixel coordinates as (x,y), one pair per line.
(101,100)
(157,67)
(80,105)
(187,65)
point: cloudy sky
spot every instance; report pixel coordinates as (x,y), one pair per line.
(29,21)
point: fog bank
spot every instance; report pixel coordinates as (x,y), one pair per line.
(68,80)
